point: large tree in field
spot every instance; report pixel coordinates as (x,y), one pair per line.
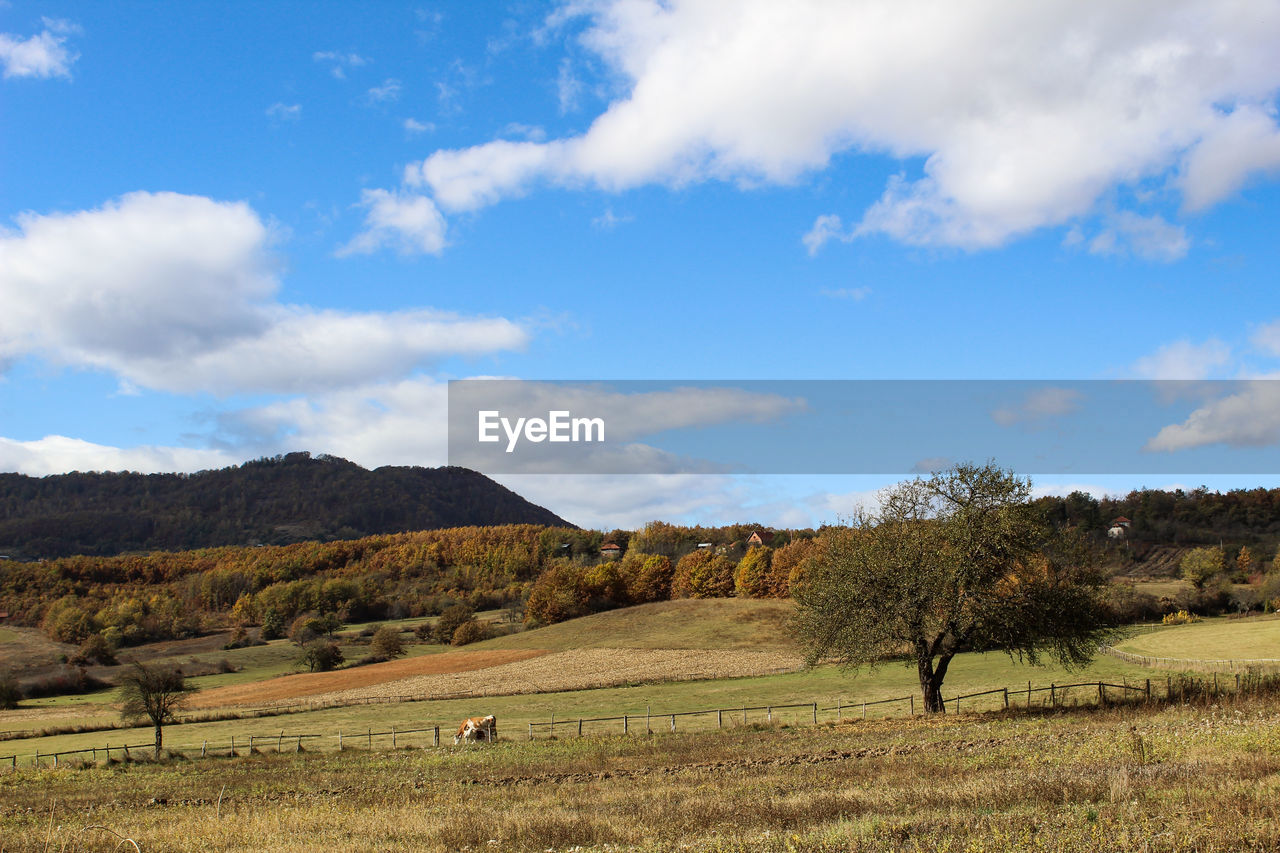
(956,562)
(154,693)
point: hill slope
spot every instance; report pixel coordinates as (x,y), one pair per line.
(271,501)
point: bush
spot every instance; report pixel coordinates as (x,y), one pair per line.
(321,656)
(1182,617)
(790,565)
(95,648)
(386,643)
(70,682)
(423,631)
(449,621)
(10,692)
(471,631)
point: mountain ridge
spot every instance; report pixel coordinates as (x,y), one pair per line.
(273,500)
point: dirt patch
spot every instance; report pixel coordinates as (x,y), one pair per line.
(360,680)
(583,669)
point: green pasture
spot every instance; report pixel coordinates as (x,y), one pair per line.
(1212,639)
(825,685)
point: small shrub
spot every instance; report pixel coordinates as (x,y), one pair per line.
(321,656)
(423,631)
(450,619)
(1182,617)
(94,648)
(471,631)
(386,643)
(272,625)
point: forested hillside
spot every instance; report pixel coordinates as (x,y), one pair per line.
(278,500)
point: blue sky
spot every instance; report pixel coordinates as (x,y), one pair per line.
(233,230)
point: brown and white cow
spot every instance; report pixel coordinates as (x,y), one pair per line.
(475,729)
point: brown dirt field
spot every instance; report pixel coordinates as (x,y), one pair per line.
(360,679)
(583,669)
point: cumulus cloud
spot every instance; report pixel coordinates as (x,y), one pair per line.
(1024,115)
(58,454)
(1149,237)
(407,222)
(177,292)
(1247,418)
(1183,360)
(1039,406)
(42,55)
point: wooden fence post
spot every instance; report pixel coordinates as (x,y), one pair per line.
(204,746)
(339,740)
(436,734)
(393,737)
(910,707)
(1148,689)
(1053,695)
(1006,698)
(1028,694)
(579,727)
(280,742)
(719,719)
(371,737)
(838,710)
(769,713)
(298,746)
(1102,694)
(624,724)
(864,708)
(815,713)
(233,746)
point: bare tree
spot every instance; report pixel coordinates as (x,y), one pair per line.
(954,563)
(154,693)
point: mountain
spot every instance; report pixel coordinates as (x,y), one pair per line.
(277,500)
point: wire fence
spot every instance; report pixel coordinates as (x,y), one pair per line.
(1181,688)
(1202,664)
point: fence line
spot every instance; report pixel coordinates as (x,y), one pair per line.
(288,708)
(1206,664)
(1179,689)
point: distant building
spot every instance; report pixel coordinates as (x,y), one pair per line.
(610,551)
(1116,532)
(760,537)
(1120,521)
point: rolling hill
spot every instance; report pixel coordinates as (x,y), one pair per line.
(279,500)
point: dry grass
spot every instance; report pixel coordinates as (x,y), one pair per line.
(360,679)
(584,669)
(1180,778)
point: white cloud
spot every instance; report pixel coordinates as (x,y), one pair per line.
(338,63)
(1149,237)
(1248,418)
(1183,360)
(41,55)
(58,454)
(826,227)
(1039,406)
(284,112)
(568,88)
(1024,115)
(389,91)
(1267,338)
(857,294)
(410,223)
(609,220)
(412,125)
(177,292)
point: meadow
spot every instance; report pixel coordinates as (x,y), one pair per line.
(1133,778)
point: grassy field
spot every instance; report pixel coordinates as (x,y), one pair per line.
(1256,637)
(1176,778)
(8,635)
(826,685)
(716,623)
